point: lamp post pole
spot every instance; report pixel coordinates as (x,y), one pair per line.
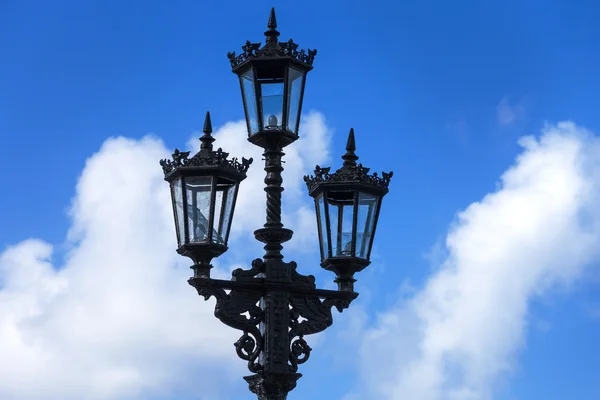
(272,304)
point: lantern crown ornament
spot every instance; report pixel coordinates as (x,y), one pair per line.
(273,49)
(204,190)
(272,80)
(347,204)
(206,158)
(351,173)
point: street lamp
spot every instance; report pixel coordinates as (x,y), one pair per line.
(272,81)
(273,305)
(203,192)
(347,205)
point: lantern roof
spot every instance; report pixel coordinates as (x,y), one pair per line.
(351,176)
(272,50)
(206,160)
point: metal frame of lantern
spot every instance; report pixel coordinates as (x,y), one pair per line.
(260,69)
(272,304)
(349,190)
(203,229)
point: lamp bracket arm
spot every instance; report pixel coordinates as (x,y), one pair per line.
(310,313)
(238,309)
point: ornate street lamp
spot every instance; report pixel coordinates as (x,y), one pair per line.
(347,204)
(272,80)
(271,303)
(203,191)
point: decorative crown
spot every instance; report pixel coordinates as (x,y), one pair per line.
(206,157)
(354,174)
(272,48)
(351,172)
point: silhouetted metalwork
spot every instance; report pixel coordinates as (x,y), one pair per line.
(272,304)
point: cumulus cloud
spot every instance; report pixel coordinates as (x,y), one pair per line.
(507,112)
(461,332)
(116,319)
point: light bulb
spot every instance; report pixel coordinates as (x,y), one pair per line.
(272,122)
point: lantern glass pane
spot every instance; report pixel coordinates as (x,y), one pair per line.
(341,205)
(365,224)
(333,226)
(177,197)
(230,195)
(322,221)
(272,102)
(347,211)
(219,197)
(198,191)
(249,93)
(295,81)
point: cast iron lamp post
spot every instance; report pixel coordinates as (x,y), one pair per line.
(271,303)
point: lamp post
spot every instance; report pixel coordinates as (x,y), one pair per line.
(273,305)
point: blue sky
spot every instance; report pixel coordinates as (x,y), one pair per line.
(439,92)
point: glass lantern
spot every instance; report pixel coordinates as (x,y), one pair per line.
(203,191)
(203,211)
(346,222)
(272,97)
(272,80)
(347,204)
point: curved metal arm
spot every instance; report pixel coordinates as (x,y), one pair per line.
(230,310)
(316,315)
(239,310)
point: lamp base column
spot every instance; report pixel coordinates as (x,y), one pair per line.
(272,386)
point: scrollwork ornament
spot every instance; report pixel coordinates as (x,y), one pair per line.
(299,352)
(248,349)
(245,346)
(230,309)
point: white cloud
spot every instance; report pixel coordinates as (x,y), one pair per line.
(507,112)
(462,331)
(117,319)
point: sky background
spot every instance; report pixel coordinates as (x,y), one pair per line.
(485,280)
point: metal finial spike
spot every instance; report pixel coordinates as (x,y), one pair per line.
(351,144)
(272,20)
(272,32)
(207,138)
(207,124)
(350,157)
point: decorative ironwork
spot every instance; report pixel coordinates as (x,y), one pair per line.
(272,48)
(316,315)
(204,158)
(351,172)
(272,304)
(299,353)
(238,309)
(285,49)
(356,173)
(230,309)
(272,386)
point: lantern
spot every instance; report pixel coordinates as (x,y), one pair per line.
(203,191)
(347,205)
(272,80)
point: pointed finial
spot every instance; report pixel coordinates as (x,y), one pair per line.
(272,20)
(207,139)
(272,32)
(350,158)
